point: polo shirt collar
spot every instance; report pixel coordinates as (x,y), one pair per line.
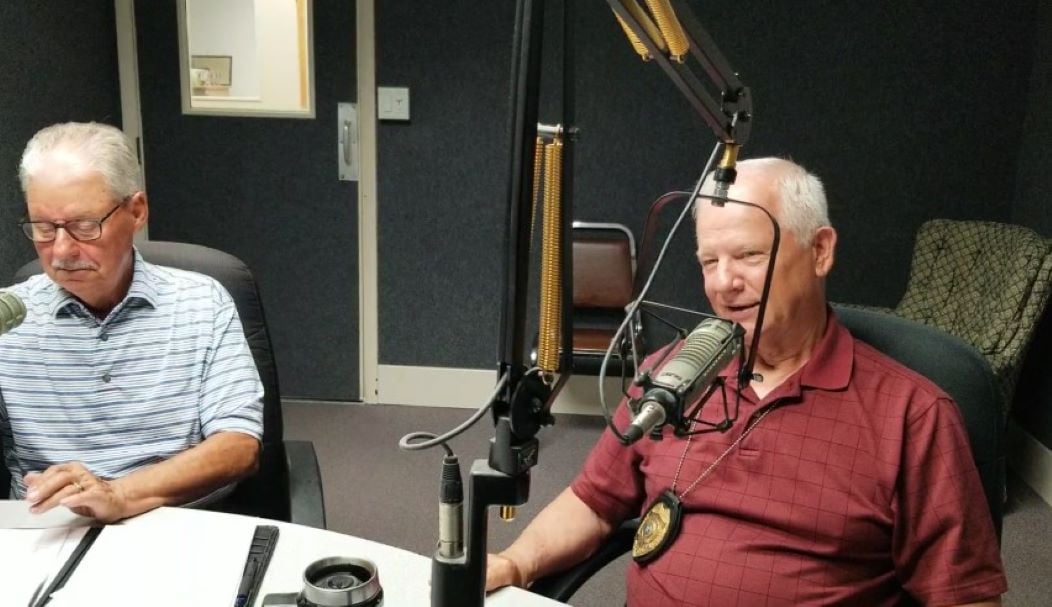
(830,365)
(144,284)
(143,290)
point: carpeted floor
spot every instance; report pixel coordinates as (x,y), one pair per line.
(376,491)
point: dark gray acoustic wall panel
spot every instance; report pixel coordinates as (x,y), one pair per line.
(265,190)
(1033,208)
(907,110)
(895,105)
(442,185)
(59,63)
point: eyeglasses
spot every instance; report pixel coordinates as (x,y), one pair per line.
(80,230)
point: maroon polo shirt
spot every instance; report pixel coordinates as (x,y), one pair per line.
(857,488)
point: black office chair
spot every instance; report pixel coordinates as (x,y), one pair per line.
(956,367)
(5,476)
(287,486)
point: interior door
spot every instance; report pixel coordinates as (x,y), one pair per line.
(266,190)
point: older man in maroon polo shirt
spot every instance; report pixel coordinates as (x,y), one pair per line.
(848,479)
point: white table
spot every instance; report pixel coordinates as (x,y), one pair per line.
(183,557)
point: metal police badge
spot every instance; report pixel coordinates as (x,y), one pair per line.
(658,528)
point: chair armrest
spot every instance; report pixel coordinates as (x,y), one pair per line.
(561,586)
(306,500)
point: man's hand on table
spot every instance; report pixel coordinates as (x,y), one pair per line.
(72,485)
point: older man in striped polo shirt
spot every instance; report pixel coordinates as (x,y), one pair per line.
(129,386)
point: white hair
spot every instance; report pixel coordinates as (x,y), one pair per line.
(802,207)
(84,148)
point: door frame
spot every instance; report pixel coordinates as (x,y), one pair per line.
(368,261)
(128,73)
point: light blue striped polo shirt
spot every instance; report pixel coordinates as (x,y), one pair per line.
(167,367)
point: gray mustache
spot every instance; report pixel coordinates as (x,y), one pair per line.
(58,264)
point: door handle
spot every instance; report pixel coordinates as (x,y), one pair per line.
(348,147)
(347,134)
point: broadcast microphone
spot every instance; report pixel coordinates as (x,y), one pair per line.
(12,311)
(706,351)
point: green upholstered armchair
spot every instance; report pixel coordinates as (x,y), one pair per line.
(984,282)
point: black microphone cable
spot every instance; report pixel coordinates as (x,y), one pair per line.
(451,487)
(633,307)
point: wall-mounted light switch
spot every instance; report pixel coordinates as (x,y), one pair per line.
(392,103)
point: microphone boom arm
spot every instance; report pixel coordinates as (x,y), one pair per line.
(729,117)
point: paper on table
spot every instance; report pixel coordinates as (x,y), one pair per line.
(165,558)
(15,514)
(30,558)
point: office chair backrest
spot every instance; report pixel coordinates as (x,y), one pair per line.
(266,493)
(5,476)
(985,282)
(659,219)
(604,257)
(961,371)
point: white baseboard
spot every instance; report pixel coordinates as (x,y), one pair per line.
(471,388)
(1031,460)
(301,402)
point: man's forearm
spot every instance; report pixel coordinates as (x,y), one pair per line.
(565,533)
(219,460)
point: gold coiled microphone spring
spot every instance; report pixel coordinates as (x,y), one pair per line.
(667,34)
(670,28)
(538,169)
(637,44)
(550,321)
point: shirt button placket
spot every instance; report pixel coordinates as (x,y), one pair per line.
(103,337)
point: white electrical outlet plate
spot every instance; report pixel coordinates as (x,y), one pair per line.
(392,103)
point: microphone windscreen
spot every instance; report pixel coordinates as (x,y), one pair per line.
(12,311)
